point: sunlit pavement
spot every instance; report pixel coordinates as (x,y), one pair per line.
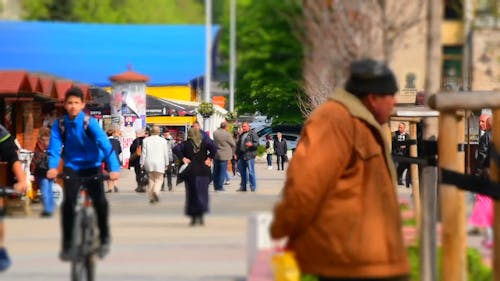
(151,242)
(155,242)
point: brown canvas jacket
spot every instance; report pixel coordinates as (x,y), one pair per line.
(339,208)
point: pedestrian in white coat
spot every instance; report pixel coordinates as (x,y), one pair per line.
(155,159)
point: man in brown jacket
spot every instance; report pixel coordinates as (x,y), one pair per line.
(339,208)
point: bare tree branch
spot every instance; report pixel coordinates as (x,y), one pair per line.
(336,32)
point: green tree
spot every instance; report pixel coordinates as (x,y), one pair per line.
(116,11)
(269,59)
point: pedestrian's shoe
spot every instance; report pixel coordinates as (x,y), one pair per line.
(241,190)
(109,190)
(170,187)
(65,255)
(193,221)
(226,183)
(45,214)
(4,260)
(200,220)
(115,188)
(104,248)
(155,197)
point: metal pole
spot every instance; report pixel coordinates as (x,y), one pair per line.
(208,50)
(428,268)
(232,54)
(208,59)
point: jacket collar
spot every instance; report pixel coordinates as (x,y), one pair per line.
(355,107)
(359,110)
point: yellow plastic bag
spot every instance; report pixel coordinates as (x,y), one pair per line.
(285,267)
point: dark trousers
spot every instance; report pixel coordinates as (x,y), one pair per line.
(220,168)
(233,166)
(168,176)
(137,171)
(399,278)
(96,192)
(281,160)
(400,169)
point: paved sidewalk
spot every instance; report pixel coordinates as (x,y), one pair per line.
(154,242)
(151,242)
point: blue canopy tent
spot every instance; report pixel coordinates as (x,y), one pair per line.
(90,53)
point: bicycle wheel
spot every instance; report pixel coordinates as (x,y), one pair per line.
(78,266)
(83,262)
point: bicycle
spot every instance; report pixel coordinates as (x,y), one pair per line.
(83,242)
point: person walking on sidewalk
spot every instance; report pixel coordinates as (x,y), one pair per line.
(171,164)
(401,147)
(114,139)
(339,207)
(280,148)
(482,214)
(225,150)
(135,157)
(269,151)
(39,168)
(197,153)
(246,151)
(155,159)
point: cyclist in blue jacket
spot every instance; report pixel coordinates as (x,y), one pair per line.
(83,146)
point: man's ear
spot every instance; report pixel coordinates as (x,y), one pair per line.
(369,100)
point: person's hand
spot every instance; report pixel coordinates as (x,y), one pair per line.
(51,174)
(186,160)
(208,162)
(21,186)
(114,176)
(248,144)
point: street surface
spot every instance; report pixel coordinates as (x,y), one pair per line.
(151,242)
(155,242)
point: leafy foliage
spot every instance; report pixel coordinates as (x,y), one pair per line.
(116,11)
(206,109)
(269,59)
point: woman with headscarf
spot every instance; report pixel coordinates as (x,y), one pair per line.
(198,154)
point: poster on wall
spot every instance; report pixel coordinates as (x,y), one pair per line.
(128,108)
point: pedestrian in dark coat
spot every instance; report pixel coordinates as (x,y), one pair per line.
(280,148)
(198,154)
(134,158)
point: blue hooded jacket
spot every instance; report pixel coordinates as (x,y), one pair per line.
(83,148)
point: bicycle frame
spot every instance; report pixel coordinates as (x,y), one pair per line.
(83,246)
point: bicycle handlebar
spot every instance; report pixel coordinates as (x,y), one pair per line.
(85,178)
(9,191)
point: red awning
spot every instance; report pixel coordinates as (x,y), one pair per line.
(14,83)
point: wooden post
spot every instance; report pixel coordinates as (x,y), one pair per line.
(452,203)
(495,176)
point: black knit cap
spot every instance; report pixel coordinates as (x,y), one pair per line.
(369,76)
